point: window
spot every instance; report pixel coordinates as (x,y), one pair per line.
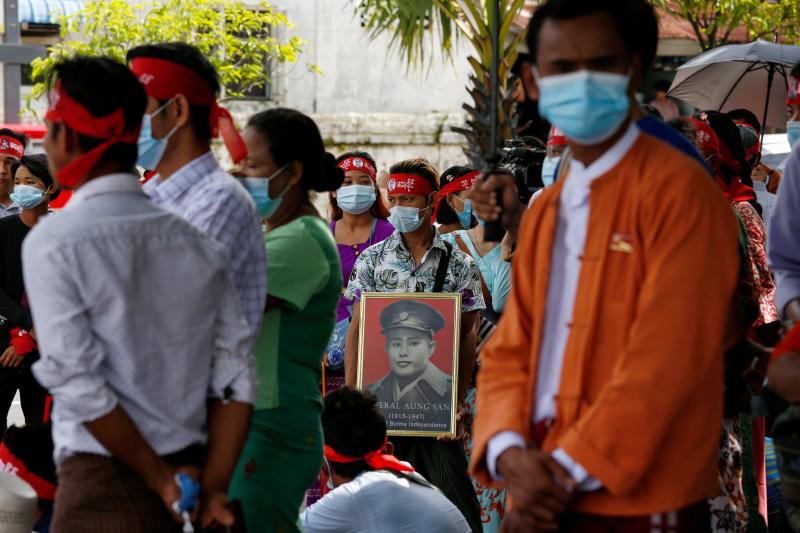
(263,92)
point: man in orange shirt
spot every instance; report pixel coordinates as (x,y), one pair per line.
(600,394)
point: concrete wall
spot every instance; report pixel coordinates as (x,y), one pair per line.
(366,98)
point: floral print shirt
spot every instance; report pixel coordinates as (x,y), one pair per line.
(389,267)
(764,285)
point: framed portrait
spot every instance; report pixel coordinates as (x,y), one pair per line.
(408,358)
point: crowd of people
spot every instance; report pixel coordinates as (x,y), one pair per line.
(186,343)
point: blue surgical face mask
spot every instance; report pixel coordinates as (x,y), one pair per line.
(27,196)
(465,216)
(152,150)
(356,199)
(258,188)
(549,167)
(588,106)
(406,219)
(793,132)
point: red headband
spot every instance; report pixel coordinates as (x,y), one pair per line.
(556,137)
(755,148)
(11,146)
(11,464)
(464,183)
(400,184)
(111,128)
(377,459)
(360,164)
(705,137)
(793,95)
(163,80)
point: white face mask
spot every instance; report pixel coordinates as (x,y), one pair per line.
(549,166)
(356,199)
(406,219)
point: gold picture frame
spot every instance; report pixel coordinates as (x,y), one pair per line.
(412,370)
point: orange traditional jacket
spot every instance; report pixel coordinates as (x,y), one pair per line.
(640,397)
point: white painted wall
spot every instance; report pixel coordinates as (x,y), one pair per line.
(362,76)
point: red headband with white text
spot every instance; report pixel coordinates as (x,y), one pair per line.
(11,464)
(360,164)
(464,183)
(11,146)
(400,184)
(109,128)
(163,80)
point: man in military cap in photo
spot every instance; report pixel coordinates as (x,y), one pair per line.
(413,384)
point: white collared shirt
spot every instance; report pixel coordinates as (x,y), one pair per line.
(134,307)
(565,269)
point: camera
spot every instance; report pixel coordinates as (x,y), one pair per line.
(522,158)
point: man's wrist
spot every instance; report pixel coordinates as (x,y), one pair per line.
(159,476)
(506,458)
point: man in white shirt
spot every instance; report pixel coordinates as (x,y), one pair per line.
(371,490)
(182,116)
(142,342)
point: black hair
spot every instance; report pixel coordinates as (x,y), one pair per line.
(445,214)
(190,57)
(353,426)
(378,209)
(652,112)
(685,127)
(662,85)
(728,133)
(796,70)
(293,136)
(746,116)
(419,166)
(102,86)
(22,138)
(37,165)
(635,20)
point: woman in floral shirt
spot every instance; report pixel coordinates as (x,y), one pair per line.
(407,262)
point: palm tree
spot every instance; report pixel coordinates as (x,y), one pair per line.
(415,25)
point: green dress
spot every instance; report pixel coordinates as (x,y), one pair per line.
(283,453)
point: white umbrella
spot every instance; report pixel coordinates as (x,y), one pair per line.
(753,76)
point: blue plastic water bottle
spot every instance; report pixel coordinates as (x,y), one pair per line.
(190,492)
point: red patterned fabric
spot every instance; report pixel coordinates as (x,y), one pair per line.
(763,283)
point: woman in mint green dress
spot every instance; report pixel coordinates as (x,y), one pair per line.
(282,457)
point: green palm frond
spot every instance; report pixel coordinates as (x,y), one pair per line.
(415,26)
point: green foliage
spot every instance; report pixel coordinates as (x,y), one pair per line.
(713,21)
(418,25)
(239,40)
